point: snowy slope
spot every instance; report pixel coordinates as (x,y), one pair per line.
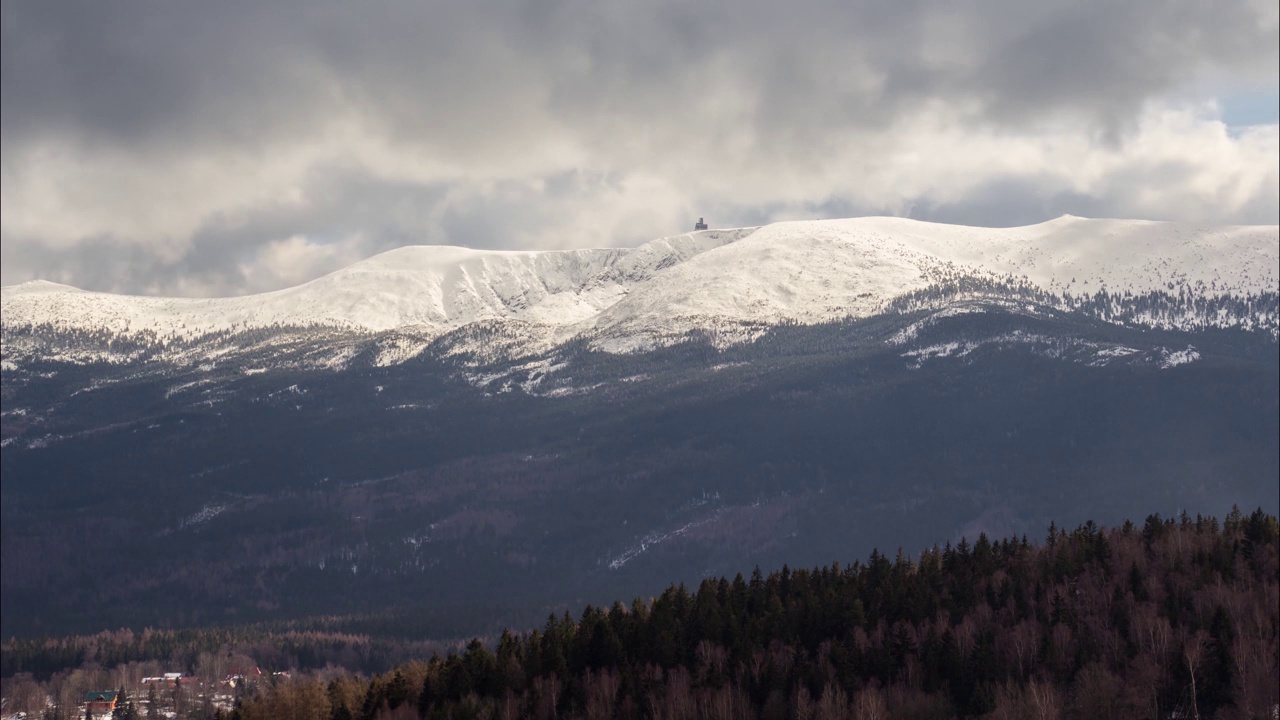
(815,271)
(747,278)
(432,286)
(435,287)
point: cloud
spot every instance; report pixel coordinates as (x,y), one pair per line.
(210,148)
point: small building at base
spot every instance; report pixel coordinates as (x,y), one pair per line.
(100,702)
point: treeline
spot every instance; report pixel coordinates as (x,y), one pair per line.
(303,644)
(1176,618)
(1181,306)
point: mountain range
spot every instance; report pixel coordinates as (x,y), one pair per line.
(736,280)
(468,437)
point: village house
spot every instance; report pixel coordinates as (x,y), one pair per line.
(239,677)
(167,680)
(100,703)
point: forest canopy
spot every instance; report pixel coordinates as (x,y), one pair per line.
(1172,618)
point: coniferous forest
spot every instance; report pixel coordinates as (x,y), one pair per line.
(1172,618)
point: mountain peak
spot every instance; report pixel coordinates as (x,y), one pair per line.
(32,287)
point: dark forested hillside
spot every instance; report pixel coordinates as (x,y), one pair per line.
(1175,618)
(461,497)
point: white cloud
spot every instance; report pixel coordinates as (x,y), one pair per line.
(295,260)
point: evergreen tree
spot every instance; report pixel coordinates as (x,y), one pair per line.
(125,709)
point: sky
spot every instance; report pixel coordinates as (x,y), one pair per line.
(218,148)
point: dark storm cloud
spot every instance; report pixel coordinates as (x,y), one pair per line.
(497,124)
(140,72)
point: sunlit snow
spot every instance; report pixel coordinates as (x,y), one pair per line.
(732,285)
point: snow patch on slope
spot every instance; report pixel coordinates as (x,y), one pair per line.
(1174,358)
(1091,353)
(911,331)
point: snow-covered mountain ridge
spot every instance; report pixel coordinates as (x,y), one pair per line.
(434,288)
(730,281)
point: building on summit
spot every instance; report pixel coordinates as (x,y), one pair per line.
(700,225)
